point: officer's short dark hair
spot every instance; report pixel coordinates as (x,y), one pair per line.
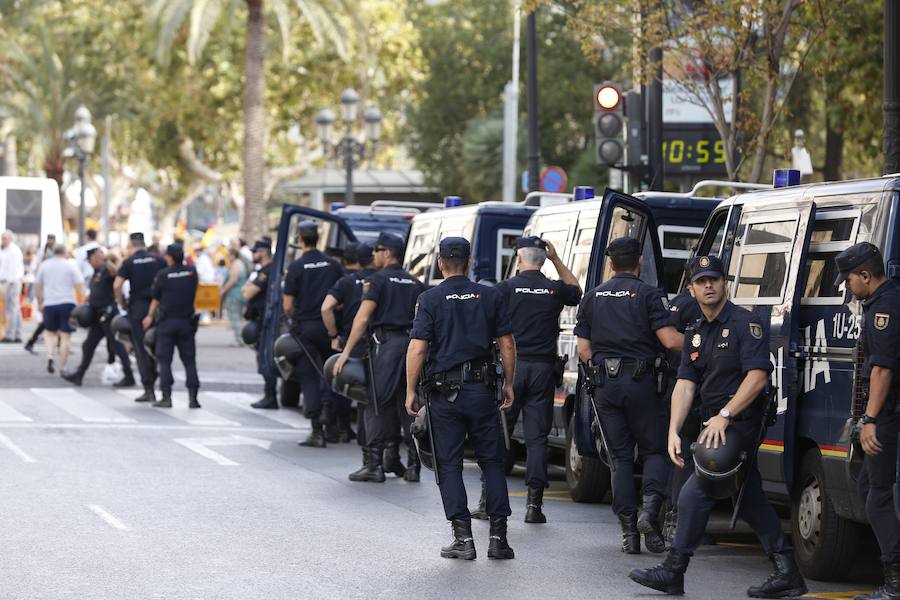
(874,265)
(310,238)
(457,265)
(91,234)
(625,262)
(176,253)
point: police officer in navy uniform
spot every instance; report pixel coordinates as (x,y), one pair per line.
(254,291)
(535,303)
(453,338)
(338,311)
(726,356)
(172,309)
(623,327)
(103,303)
(862,266)
(386,313)
(140,270)
(306,283)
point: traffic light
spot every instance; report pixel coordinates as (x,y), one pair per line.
(609,124)
(634,129)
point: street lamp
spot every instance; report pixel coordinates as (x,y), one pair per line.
(349,149)
(81,138)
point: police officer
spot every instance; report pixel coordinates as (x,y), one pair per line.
(139,270)
(534,304)
(103,304)
(862,266)
(172,309)
(386,313)
(338,311)
(726,356)
(455,327)
(254,291)
(306,283)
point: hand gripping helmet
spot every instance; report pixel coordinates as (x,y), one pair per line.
(287,351)
(121,329)
(351,382)
(150,342)
(422,438)
(82,316)
(250,333)
(720,471)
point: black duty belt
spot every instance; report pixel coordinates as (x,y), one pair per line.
(538,358)
(384,331)
(473,371)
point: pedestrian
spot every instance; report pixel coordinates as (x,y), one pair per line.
(453,336)
(57,281)
(535,302)
(726,357)
(172,311)
(81,255)
(306,283)
(46,253)
(254,291)
(12,272)
(862,267)
(139,270)
(623,328)
(206,271)
(384,318)
(103,305)
(230,291)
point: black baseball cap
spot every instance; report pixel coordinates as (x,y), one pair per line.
(307,228)
(137,237)
(530,241)
(455,247)
(624,246)
(389,240)
(364,253)
(853,257)
(263,245)
(706,266)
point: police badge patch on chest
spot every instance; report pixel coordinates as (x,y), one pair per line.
(756,330)
(725,332)
(881,321)
(695,341)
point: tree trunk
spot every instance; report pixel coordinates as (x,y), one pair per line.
(253,224)
(54,169)
(834,151)
(765,126)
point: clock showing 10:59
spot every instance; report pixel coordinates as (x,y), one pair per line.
(693,149)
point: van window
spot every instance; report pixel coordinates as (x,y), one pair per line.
(712,242)
(833,231)
(765,253)
(625,223)
(677,244)
(558,239)
(581,254)
(420,248)
(453,227)
(506,249)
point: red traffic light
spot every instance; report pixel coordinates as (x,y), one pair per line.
(607,96)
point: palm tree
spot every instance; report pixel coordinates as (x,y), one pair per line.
(205,15)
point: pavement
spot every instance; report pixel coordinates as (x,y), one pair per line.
(104,498)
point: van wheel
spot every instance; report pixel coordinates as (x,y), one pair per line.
(588,478)
(511,456)
(824,543)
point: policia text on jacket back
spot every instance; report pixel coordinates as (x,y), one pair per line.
(456,325)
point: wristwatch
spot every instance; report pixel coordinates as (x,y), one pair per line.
(725,413)
(867,420)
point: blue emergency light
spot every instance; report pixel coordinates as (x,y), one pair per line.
(335,206)
(582,192)
(451,201)
(786,178)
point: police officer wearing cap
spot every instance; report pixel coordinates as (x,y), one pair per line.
(386,314)
(535,303)
(254,291)
(103,305)
(338,311)
(172,309)
(726,356)
(453,338)
(623,328)
(139,270)
(862,267)
(306,283)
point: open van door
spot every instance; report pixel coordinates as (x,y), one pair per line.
(334,234)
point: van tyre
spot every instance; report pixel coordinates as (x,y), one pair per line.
(824,543)
(588,478)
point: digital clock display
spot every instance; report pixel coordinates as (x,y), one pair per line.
(693,149)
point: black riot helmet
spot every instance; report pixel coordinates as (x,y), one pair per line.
(720,470)
(351,382)
(250,333)
(82,316)
(150,342)
(287,351)
(422,438)
(121,329)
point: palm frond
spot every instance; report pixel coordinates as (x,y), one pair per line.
(204,17)
(283,20)
(169,17)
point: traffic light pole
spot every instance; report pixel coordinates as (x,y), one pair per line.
(891,106)
(655,122)
(534,144)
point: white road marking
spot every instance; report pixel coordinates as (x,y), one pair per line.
(9,414)
(201,447)
(144,426)
(242,400)
(80,406)
(110,519)
(197,416)
(27,458)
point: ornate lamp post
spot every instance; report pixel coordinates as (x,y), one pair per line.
(80,139)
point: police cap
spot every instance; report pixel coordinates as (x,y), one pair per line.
(706,266)
(137,237)
(389,240)
(263,245)
(853,257)
(623,246)
(530,241)
(175,251)
(455,247)
(364,253)
(307,228)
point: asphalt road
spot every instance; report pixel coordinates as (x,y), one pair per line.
(107,499)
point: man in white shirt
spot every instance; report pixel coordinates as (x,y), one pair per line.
(57,281)
(12,271)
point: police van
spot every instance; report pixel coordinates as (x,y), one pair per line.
(382,215)
(29,207)
(779,247)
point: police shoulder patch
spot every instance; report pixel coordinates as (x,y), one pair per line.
(756,330)
(881,321)
(365,287)
(665,303)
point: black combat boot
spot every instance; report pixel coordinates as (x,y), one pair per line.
(667,577)
(268,401)
(361,474)
(785,582)
(332,435)
(413,467)
(533,506)
(148,396)
(498,546)
(891,588)
(192,398)
(315,439)
(669,526)
(73,377)
(165,401)
(631,537)
(648,524)
(126,382)
(462,546)
(480,512)
(392,462)
(373,470)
